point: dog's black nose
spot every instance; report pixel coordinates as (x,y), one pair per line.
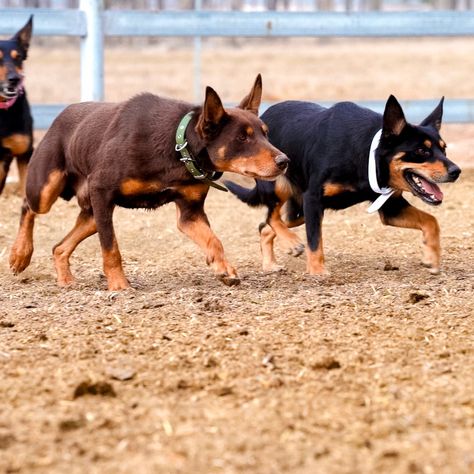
(282,161)
(13,81)
(453,172)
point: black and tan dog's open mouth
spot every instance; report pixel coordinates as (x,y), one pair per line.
(8,92)
(425,189)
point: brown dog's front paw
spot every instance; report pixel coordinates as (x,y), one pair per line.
(19,260)
(229,280)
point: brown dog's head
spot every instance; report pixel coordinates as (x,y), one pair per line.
(236,139)
(416,154)
(12,54)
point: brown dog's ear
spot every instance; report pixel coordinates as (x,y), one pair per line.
(393,117)
(212,114)
(23,36)
(252,101)
(434,119)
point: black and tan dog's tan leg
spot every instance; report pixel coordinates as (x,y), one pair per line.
(22,165)
(193,222)
(84,227)
(398,212)
(267,238)
(313,212)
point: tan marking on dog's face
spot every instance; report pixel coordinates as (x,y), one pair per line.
(432,170)
(427,143)
(261,165)
(17,143)
(3,73)
(264,129)
(14,54)
(132,186)
(249,130)
(51,190)
(1,54)
(333,189)
(442,145)
(221,152)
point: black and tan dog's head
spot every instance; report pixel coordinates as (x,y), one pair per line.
(12,54)
(415,154)
(236,139)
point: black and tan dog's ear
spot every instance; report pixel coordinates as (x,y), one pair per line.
(251,102)
(434,119)
(212,115)
(393,117)
(23,36)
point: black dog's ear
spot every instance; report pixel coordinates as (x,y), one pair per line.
(212,114)
(434,119)
(393,117)
(252,101)
(23,36)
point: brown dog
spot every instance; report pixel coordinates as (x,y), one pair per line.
(125,155)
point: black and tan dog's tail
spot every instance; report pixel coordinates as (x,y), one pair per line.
(253,197)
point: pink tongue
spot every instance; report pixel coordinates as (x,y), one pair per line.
(432,188)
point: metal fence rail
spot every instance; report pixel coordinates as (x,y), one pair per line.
(92,24)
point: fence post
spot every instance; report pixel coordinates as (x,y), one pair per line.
(92,51)
(197,58)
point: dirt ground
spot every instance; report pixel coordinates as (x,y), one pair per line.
(367,370)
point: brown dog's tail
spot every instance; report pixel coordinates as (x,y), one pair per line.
(253,197)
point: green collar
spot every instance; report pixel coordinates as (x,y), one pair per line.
(189,161)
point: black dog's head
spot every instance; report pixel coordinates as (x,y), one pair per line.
(12,54)
(415,154)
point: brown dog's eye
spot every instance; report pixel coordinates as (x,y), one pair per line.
(242,137)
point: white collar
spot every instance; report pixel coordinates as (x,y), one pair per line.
(385,193)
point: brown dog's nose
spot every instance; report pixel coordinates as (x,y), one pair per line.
(282,161)
(453,172)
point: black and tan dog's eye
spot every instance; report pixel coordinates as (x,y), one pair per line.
(243,137)
(423,152)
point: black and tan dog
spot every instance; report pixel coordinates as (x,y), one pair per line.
(344,155)
(126,155)
(16,124)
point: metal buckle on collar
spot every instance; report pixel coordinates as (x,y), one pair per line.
(179,147)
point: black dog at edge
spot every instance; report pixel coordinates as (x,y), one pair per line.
(329,169)
(16,123)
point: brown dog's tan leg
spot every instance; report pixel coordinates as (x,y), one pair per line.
(412,218)
(22,249)
(85,227)
(193,222)
(113,269)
